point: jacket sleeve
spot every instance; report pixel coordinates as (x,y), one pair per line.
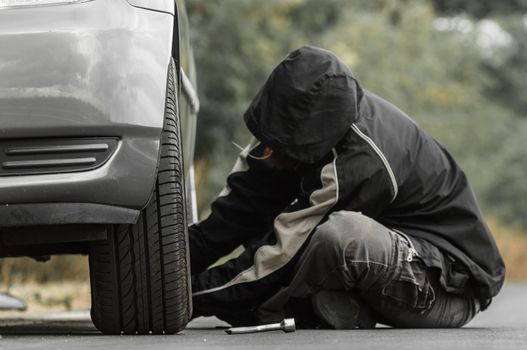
(243,211)
(244,282)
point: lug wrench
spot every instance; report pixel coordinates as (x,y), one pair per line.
(287,325)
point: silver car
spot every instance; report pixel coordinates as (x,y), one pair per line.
(97,125)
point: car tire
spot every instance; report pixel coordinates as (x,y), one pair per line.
(140,274)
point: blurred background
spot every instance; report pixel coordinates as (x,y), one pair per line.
(458,67)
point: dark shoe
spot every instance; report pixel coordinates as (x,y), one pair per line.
(341,310)
(301,309)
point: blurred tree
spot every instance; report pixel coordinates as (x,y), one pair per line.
(481,8)
(504,189)
(509,68)
(507,191)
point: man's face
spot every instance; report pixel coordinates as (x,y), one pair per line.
(278,161)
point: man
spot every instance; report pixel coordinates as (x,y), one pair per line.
(350,214)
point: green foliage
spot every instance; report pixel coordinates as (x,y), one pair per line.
(507,191)
(481,8)
(64,301)
(509,69)
(441,78)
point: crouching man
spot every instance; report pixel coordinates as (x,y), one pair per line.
(350,214)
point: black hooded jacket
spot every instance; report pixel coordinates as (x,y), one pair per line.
(358,153)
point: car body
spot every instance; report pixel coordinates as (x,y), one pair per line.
(84,102)
(97,75)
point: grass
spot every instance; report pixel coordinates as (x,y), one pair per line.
(60,284)
(512,244)
(57,269)
(54,296)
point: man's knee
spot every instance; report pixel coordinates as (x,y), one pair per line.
(340,226)
(353,233)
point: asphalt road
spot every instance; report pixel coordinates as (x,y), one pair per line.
(502,326)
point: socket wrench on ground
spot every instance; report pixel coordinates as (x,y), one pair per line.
(287,325)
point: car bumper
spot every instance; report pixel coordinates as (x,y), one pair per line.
(88,70)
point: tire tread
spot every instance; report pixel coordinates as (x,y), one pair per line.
(140,274)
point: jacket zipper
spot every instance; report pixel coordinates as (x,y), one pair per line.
(412,253)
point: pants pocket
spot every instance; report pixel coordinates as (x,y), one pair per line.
(411,287)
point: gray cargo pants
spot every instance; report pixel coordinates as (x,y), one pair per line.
(354,253)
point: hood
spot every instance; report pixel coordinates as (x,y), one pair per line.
(306,105)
